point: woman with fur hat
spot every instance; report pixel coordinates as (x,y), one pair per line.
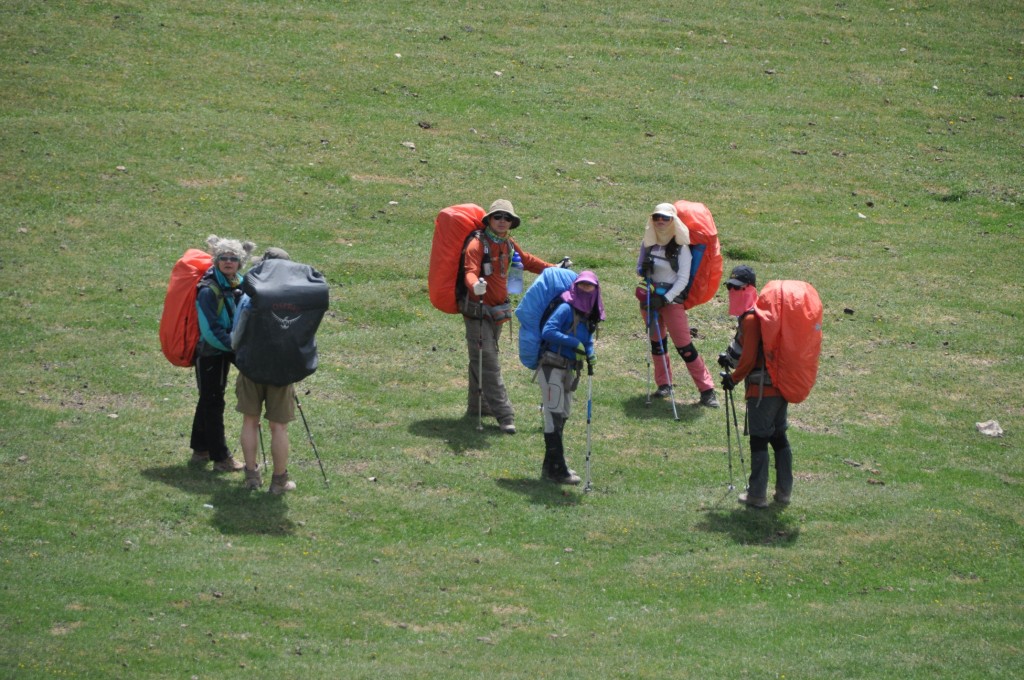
(664,263)
(216,301)
(567,339)
(486,308)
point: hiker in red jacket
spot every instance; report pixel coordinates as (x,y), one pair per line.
(766,407)
(486,308)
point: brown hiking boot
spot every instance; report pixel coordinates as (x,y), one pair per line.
(253,478)
(709,399)
(752,501)
(559,474)
(199,458)
(280,484)
(781,497)
(662,391)
(507,425)
(229,464)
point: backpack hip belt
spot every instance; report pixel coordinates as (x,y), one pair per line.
(549,358)
(478,310)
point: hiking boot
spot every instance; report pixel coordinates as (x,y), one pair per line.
(752,501)
(199,458)
(279,484)
(253,478)
(663,391)
(229,464)
(507,425)
(563,476)
(781,497)
(709,399)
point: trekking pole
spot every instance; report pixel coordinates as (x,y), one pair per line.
(728,438)
(730,404)
(310,436)
(736,427)
(590,406)
(259,428)
(480,372)
(664,359)
(647,325)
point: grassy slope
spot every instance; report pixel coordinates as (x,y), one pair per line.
(284,123)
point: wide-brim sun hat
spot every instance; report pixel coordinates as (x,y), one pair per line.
(679,231)
(502,205)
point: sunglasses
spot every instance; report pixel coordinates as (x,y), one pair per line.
(228,258)
(734,287)
(660,218)
(501,216)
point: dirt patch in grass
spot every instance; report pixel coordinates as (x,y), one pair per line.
(196,183)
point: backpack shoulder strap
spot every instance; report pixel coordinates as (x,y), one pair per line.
(485,262)
(672,254)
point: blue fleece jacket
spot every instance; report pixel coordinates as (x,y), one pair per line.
(558,334)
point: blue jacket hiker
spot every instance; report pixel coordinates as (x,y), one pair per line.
(216,303)
(567,341)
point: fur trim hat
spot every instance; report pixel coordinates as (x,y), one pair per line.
(680,233)
(501,205)
(217,246)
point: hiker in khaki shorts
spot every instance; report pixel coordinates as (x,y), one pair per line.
(280,410)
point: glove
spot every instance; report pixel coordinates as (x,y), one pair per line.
(723,360)
(658,301)
(581,351)
(480,287)
(727,382)
(592,360)
(566,263)
(646,267)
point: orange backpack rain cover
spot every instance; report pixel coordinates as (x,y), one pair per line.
(701,224)
(791,315)
(179,323)
(452,226)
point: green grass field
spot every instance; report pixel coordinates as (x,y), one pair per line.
(873,149)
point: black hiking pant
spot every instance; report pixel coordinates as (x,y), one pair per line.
(208,422)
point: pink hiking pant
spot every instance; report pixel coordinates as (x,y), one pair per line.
(672,320)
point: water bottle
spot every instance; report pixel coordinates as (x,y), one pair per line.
(515,275)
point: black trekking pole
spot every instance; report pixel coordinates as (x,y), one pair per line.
(730,405)
(259,428)
(310,436)
(736,427)
(590,407)
(728,437)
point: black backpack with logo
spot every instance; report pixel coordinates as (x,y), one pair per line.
(275,335)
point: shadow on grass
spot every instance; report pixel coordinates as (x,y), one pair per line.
(459,434)
(541,492)
(236,510)
(659,409)
(747,526)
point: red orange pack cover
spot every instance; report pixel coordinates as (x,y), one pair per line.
(452,226)
(701,224)
(791,315)
(179,322)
